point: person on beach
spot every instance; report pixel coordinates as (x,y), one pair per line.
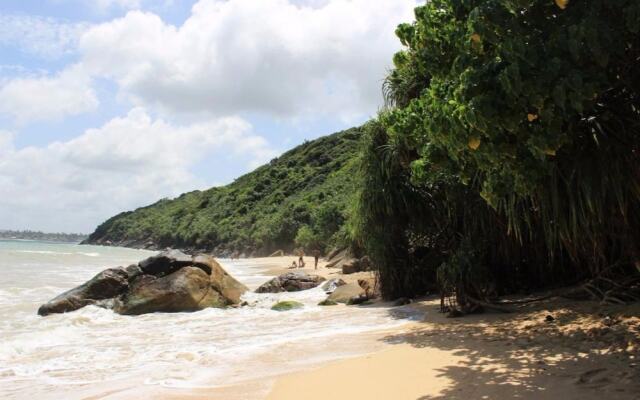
(301,260)
(316,256)
(294,265)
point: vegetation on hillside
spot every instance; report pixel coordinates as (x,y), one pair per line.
(42,236)
(298,199)
(507,158)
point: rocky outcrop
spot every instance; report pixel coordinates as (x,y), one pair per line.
(356,265)
(346,292)
(331,285)
(106,285)
(188,289)
(291,282)
(355,293)
(168,282)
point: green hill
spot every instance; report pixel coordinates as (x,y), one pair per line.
(299,199)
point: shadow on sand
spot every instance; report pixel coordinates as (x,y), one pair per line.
(583,353)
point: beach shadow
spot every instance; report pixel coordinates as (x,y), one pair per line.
(523,356)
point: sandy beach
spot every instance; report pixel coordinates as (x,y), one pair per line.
(585,352)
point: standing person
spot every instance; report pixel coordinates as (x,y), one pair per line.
(316,256)
(301,260)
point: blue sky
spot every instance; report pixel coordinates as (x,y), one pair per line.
(109,105)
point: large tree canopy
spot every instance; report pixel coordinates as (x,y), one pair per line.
(532,106)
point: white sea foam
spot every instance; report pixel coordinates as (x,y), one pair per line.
(58,356)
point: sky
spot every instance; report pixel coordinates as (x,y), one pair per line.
(110,105)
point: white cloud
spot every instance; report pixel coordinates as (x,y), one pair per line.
(271,56)
(129,162)
(48,98)
(40,36)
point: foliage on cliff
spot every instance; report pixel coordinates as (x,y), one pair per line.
(303,195)
(508,158)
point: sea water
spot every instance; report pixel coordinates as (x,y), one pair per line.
(95,353)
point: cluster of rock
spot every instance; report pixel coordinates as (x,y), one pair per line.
(176,282)
(347,262)
(168,282)
(338,290)
(291,282)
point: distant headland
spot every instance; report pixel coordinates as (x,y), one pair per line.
(37,235)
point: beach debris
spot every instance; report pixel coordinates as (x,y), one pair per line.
(168,282)
(287,305)
(291,282)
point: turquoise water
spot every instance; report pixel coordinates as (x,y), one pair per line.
(96,353)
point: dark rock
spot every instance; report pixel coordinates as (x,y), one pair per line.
(332,284)
(107,284)
(549,318)
(133,271)
(346,292)
(165,263)
(403,301)
(327,302)
(188,289)
(355,300)
(287,305)
(202,283)
(291,282)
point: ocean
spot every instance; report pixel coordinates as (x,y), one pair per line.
(95,353)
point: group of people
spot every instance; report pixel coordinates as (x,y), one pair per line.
(301,264)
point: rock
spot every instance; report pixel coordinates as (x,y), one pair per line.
(337,260)
(346,292)
(360,299)
(188,289)
(291,282)
(370,287)
(220,279)
(327,302)
(278,253)
(165,263)
(202,283)
(351,267)
(107,284)
(133,271)
(549,318)
(402,301)
(287,305)
(332,284)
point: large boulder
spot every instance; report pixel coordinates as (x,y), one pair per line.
(168,282)
(165,263)
(345,293)
(106,285)
(291,282)
(188,289)
(220,279)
